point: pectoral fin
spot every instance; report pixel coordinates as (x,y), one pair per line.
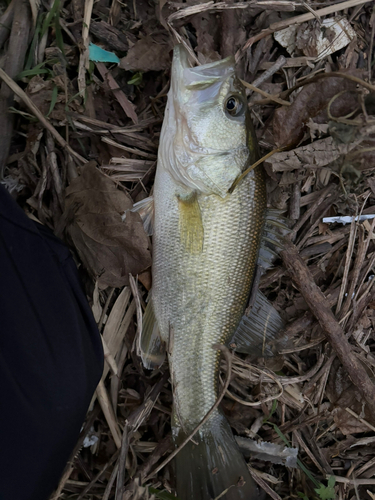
(190,224)
(257,332)
(152,346)
(145,208)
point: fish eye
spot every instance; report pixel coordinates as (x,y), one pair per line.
(234,105)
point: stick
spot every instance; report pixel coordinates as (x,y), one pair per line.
(317,302)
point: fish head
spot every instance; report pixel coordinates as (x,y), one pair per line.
(204,141)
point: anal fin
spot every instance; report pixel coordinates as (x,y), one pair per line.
(257,333)
(152,347)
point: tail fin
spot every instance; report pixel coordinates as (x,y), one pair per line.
(212,466)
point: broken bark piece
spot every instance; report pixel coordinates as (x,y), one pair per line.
(317,302)
(148,55)
(112,37)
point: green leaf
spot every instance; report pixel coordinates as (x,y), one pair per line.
(302,495)
(32,49)
(48,20)
(136,79)
(327,492)
(53,99)
(32,72)
(59,38)
(162,495)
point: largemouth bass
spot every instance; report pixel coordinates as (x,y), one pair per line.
(205,245)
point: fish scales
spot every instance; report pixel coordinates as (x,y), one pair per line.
(202,297)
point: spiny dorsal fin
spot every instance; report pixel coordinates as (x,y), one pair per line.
(151,344)
(274,231)
(145,208)
(256,333)
(190,224)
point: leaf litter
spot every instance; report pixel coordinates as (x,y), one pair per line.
(110,117)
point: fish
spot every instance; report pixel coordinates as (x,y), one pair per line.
(207,234)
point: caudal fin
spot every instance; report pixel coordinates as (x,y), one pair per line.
(212,466)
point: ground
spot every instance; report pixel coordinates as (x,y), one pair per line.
(309,69)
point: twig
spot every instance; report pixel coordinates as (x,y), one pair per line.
(108,413)
(254,165)
(262,483)
(353,414)
(29,103)
(70,465)
(278,64)
(132,423)
(105,308)
(265,94)
(137,338)
(124,102)
(84,58)
(109,359)
(348,259)
(358,482)
(372,21)
(98,475)
(228,357)
(315,299)
(108,489)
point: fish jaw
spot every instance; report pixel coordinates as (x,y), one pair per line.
(201,145)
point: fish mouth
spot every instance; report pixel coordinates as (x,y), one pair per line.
(188,78)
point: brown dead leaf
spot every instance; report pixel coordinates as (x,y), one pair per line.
(289,123)
(343,394)
(148,55)
(206,28)
(318,154)
(109,248)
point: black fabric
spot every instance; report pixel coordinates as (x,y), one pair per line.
(50,355)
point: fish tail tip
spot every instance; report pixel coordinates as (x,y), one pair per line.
(211,465)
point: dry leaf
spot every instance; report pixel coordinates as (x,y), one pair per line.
(315,155)
(109,248)
(289,123)
(343,394)
(317,38)
(148,55)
